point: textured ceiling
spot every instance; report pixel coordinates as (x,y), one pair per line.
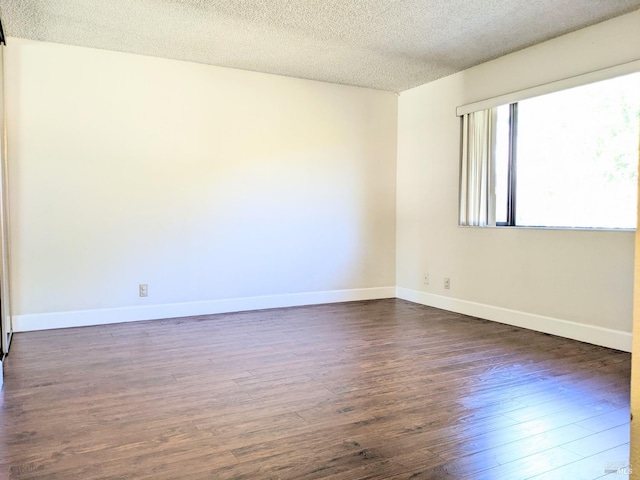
(384,44)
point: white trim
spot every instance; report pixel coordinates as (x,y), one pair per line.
(555,326)
(81,318)
(564,328)
(558,85)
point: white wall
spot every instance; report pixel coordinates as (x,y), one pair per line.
(545,279)
(205,183)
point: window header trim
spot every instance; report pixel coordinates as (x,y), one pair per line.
(578,80)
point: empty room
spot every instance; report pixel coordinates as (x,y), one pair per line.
(319,239)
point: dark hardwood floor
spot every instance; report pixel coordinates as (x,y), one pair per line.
(383,389)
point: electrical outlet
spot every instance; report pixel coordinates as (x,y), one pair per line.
(447,283)
(426,279)
(143,290)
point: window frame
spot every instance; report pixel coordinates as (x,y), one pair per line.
(512,100)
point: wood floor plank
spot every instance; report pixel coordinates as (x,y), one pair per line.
(620,416)
(600,441)
(529,466)
(595,466)
(382,389)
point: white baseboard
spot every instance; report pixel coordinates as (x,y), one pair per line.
(82,318)
(555,326)
(604,337)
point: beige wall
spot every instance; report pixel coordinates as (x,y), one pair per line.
(203,182)
(584,277)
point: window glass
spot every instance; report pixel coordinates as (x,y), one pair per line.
(502,163)
(577,156)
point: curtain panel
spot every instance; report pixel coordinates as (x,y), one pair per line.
(477,176)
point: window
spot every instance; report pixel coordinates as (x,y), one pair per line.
(565,159)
